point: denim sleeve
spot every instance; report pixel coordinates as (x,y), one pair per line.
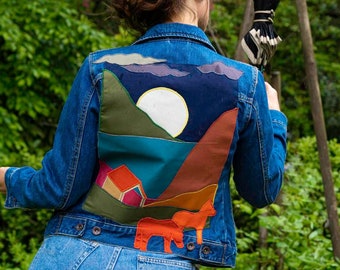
(68,168)
(261,149)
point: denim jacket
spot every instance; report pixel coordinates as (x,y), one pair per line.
(145,145)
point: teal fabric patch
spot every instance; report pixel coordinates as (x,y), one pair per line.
(154,161)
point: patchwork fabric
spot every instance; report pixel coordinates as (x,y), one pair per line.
(148,177)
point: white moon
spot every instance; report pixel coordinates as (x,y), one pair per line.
(166,108)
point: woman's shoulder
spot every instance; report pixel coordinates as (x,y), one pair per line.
(102,54)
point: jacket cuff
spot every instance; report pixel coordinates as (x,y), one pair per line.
(10,201)
(279,119)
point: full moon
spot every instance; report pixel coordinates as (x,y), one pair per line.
(166,108)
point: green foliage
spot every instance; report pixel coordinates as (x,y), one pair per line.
(42,44)
(226,21)
(324,18)
(289,61)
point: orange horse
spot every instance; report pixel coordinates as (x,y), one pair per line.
(172,229)
(166,228)
(198,220)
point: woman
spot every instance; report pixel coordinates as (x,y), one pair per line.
(139,171)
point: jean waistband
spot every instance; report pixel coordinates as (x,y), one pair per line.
(208,253)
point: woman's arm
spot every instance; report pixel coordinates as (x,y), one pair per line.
(261,150)
(68,168)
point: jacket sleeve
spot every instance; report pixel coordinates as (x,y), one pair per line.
(68,168)
(261,149)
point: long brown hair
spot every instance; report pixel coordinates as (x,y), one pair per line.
(143,14)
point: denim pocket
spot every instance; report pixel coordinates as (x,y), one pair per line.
(156,263)
(60,252)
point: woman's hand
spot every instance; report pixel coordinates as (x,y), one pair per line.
(273,99)
(2,180)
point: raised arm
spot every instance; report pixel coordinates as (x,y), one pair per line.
(261,150)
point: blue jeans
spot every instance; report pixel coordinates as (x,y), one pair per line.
(63,253)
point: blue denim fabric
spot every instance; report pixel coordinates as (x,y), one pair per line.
(88,255)
(257,153)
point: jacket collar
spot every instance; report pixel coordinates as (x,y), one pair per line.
(176,31)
